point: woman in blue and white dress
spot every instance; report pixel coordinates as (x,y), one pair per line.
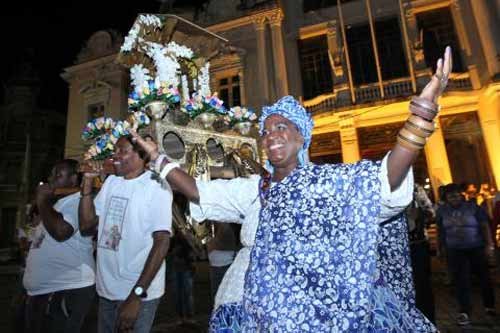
(326,249)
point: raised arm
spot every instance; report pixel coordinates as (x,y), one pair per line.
(87,216)
(412,137)
(178,179)
(53,221)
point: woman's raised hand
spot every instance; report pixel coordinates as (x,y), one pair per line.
(439,80)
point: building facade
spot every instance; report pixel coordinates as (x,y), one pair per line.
(98,86)
(354,64)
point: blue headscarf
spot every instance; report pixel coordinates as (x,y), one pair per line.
(289,108)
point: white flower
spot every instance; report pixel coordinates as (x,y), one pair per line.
(179,50)
(130,39)
(167,69)
(99,122)
(157,82)
(140,77)
(166,66)
(204,80)
(150,20)
(185,89)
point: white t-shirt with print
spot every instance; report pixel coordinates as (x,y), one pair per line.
(53,266)
(129,212)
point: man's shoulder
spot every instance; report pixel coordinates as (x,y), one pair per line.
(67,200)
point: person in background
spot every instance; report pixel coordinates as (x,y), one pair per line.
(465,236)
(221,251)
(183,270)
(496,220)
(419,214)
(60,269)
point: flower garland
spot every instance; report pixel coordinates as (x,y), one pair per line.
(172,66)
(153,91)
(140,77)
(97,127)
(151,21)
(204,80)
(105,132)
(179,51)
(165,60)
(240,114)
(199,104)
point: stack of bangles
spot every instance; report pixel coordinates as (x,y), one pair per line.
(162,166)
(419,125)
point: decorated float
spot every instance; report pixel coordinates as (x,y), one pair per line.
(171,100)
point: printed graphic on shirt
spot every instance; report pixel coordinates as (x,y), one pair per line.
(38,240)
(113,223)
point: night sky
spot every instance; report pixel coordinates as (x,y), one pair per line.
(50,34)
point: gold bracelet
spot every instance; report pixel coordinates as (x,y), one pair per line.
(419,126)
(423,108)
(409,140)
(422,112)
(425,103)
(408,145)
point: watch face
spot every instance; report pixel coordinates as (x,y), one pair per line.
(138,291)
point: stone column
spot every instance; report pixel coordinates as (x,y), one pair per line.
(349,140)
(281,78)
(243,96)
(259,24)
(457,13)
(489,118)
(76,119)
(437,159)
(486,26)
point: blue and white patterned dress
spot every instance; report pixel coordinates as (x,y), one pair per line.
(321,261)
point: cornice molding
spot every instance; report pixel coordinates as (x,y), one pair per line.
(259,18)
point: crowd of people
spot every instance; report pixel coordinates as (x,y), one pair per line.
(321,247)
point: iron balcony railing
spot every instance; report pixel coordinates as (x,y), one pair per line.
(369,93)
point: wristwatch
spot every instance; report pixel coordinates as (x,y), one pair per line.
(140,292)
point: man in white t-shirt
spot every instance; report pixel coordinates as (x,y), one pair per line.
(60,270)
(134,215)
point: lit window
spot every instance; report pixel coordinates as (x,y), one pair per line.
(95,111)
(310,5)
(390,51)
(230,91)
(437,31)
(315,66)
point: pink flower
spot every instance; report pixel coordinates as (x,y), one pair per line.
(238,114)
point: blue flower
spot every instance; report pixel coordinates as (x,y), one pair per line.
(151,85)
(101,143)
